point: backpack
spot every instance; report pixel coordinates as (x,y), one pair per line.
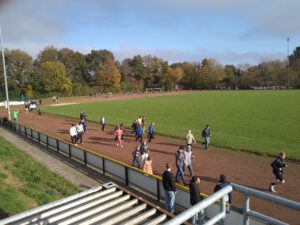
(203,133)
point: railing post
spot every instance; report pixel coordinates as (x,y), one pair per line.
(57,145)
(223,209)
(39,137)
(103,164)
(70,151)
(246,209)
(157,189)
(126,176)
(85,160)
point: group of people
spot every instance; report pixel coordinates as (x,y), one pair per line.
(77,131)
(194,187)
(141,158)
(205,134)
(183,158)
(138,127)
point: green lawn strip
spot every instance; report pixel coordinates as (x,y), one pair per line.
(25,183)
(264,122)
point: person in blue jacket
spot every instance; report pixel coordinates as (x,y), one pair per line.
(151,132)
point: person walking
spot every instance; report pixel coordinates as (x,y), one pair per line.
(144,149)
(206,135)
(188,160)
(139,134)
(221,184)
(103,123)
(118,136)
(190,139)
(80,131)
(179,156)
(73,134)
(277,165)
(147,167)
(15,115)
(151,132)
(195,198)
(169,188)
(136,156)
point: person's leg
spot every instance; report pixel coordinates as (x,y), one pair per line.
(190,168)
(201,218)
(181,175)
(172,201)
(167,201)
(205,143)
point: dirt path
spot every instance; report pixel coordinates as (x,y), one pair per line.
(240,167)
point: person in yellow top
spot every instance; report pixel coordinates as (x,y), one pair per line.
(190,139)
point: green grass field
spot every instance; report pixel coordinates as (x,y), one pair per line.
(25,183)
(264,122)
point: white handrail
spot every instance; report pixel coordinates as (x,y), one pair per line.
(184,216)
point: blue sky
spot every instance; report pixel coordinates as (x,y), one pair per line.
(230,31)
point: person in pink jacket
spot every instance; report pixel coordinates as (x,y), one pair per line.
(118,134)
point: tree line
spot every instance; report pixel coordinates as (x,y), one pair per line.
(65,72)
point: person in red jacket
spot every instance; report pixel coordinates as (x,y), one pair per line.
(118,134)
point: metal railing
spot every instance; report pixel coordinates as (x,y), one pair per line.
(194,210)
(247,212)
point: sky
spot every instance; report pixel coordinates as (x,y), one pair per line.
(229,31)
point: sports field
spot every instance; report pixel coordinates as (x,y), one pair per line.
(260,121)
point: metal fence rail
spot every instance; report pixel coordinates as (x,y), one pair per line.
(247,212)
(186,215)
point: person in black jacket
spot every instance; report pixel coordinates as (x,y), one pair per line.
(169,187)
(196,198)
(221,184)
(277,166)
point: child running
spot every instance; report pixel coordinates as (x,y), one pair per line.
(277,166)
(118,136)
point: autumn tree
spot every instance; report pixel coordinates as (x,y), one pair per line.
(108,77)
(19,68)
(55,79)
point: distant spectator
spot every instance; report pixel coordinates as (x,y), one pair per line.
(103,123)
(40,101)
(179,155)
(188,160)
(139,134)
(147,167)
(136,157)
(151,132)
(118,134)
(80,131)
(221,184)
(195,198)
(169,187)
(122,127)
(190,139)
(206,135)
(15,115)
(144,149)
(73,134)
(277,165)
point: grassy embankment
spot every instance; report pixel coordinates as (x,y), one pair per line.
(25,183)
